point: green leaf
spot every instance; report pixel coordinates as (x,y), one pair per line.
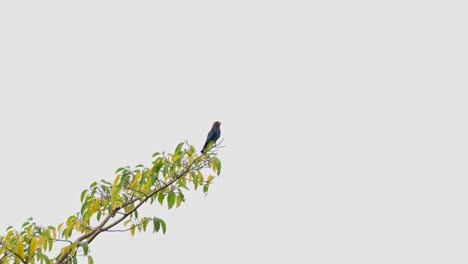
(165,169)
(195,181)
(83,193)
(171,198)
(135,213)
(205,188)
(178,148)
(156,225)
(161,197)
(163,225)
(144,177)
(119,170)
(90,260)
(155,154)
(218,165)
(71,218)
(181,194)
(84,207)
(84,245)
(46,259)
(158,163)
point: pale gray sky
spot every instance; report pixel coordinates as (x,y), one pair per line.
(344,121)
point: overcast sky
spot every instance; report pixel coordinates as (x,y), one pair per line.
(345,123)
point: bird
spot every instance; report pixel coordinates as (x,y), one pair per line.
(213,135)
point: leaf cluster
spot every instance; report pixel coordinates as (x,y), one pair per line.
(106,204)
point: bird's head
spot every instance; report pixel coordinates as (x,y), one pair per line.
(216,124)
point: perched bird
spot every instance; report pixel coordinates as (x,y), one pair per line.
(213,135)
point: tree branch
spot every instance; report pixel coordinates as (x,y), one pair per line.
(105,226)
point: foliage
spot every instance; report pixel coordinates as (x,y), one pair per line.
(106,204)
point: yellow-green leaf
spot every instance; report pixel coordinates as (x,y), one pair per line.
(54,232)
(43,242)
(90,260)
(59,228)
(200,178)
(6,244)
(77,226)
(147,187)
(210,178)
(127,222)
(135,180)
(116,181)
(213,165)
(175,158)
(51,244)
(68,231)
(71,218)
(28,231)
(32,246)
(115,190)
(65,249)
(132,230)
(178,201)
(8,235)
(19,250)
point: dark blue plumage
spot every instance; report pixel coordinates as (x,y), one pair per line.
(213,135)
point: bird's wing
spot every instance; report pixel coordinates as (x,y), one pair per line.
(211,135)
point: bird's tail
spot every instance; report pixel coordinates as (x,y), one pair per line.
(204,147)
